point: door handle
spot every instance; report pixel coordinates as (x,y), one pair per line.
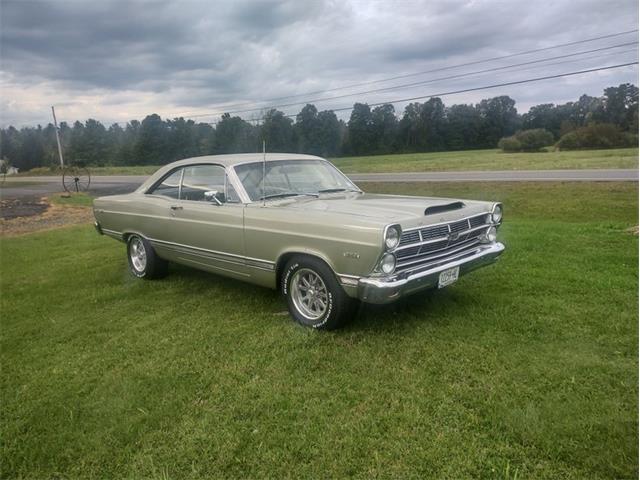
(176,207)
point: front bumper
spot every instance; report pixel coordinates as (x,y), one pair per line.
(386,290)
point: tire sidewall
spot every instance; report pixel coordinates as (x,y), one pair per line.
(132,269)
(289,272)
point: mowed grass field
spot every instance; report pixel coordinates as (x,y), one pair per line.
(525,369)
(445,161)
(490,160)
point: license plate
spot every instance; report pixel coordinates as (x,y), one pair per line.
(447,277)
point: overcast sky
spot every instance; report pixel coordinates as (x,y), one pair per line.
(116,61)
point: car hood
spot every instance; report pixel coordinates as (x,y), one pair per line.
(407,210)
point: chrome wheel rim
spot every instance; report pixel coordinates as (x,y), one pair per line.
(309,294)
(138,255)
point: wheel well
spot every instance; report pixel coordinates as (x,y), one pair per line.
(127,235)
(284,259)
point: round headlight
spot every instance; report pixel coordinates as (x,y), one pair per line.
(490,235)
(496,215)
(388,263)
(392,238)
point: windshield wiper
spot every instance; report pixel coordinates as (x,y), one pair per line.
(287,194)
(336,190)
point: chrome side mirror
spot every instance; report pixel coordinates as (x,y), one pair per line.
(212,196)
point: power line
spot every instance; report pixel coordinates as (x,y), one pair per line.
(414,84)
(476,62)
(485,87)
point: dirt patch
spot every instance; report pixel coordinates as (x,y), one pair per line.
(26,216)
(22,207)
(633,230)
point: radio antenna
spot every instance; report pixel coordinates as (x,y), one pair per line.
(55,122)
(264,171)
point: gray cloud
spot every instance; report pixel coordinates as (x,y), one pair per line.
(117,60)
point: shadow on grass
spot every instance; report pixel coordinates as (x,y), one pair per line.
(431,306)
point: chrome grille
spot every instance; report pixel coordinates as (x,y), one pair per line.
(433,232)
(459,226)
(427,246)
(410,237)
(408,252)
(477,221)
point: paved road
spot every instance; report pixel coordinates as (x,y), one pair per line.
(18,187)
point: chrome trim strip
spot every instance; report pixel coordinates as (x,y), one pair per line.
(180,184)
(195,253)
(207,265)
(250,261)
(348,280)
(237,185)
(112,233)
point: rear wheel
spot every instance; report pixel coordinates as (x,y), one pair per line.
(143,260)
(314,296)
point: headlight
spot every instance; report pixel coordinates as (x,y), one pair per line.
(388,263)
(496,215)
(489,236)
(392,237)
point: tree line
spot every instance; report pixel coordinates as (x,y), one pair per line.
(422,127)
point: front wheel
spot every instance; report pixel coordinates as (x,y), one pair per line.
(314,297)
(143,260)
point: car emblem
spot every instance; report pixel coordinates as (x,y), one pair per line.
(453,236)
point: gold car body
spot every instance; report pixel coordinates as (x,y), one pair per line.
(252,240)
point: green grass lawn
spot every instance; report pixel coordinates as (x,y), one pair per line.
(490,160)
(445,161)
(12,184)
(73,199)
(525,369)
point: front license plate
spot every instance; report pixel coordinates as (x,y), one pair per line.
(447,277)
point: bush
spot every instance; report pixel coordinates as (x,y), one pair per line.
(598,135)
(526,141)
(509,144)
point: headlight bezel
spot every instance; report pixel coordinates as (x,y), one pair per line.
(382,263)
(385,237)
(490,235)
(497,211)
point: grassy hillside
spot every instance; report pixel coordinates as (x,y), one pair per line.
(445,161)
(490,160)
(525,369)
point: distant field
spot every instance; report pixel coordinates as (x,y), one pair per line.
(525,369)
(490,160)
(445,161)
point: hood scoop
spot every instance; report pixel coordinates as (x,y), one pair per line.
(443,208)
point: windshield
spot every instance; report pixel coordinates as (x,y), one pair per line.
(285,178)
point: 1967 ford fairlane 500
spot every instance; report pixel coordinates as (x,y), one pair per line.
(296,223)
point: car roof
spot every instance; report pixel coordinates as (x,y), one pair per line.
(237,158)
(224,160)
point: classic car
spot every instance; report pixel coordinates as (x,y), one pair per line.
(296,223)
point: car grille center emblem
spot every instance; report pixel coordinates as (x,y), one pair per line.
(453,236)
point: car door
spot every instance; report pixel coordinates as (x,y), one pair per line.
(154,217)
(208,226)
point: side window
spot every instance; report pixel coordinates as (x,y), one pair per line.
(232,196)
(170,186)
(200,179)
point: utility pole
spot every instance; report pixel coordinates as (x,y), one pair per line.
(264,171)
(55,123)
